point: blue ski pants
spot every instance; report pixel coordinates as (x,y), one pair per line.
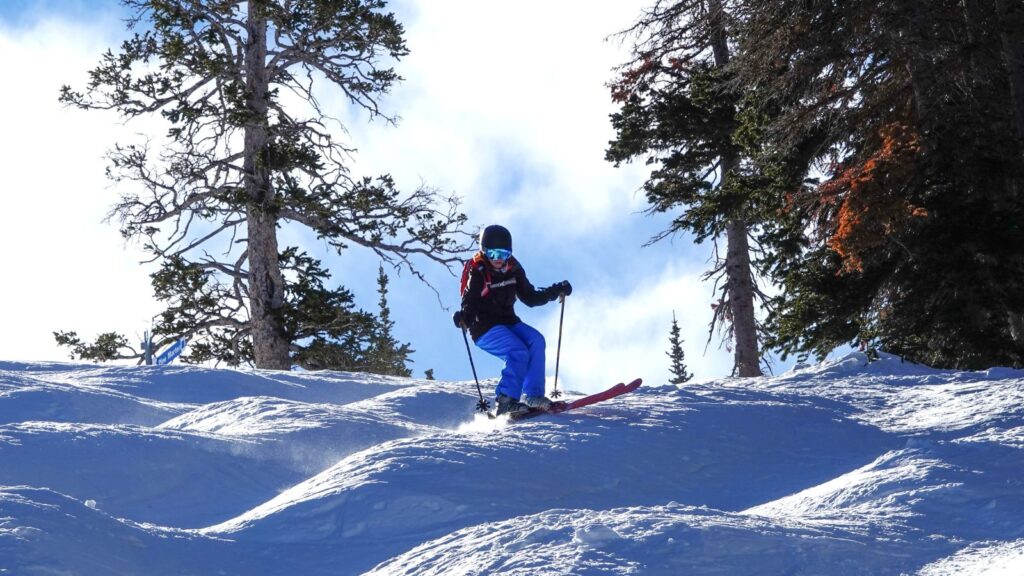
(522,348)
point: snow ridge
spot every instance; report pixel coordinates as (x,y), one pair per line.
(848,467)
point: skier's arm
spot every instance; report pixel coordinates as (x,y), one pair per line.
(530,295)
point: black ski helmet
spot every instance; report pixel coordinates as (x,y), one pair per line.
(495,236)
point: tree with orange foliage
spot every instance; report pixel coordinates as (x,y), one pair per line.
(870,207)
(914,240)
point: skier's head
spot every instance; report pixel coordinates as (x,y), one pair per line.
(496,243)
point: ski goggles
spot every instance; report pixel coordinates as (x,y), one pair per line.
(497,254)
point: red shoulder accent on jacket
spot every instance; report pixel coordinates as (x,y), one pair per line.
(473,262)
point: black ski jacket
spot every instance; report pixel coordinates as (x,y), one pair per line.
(491,294)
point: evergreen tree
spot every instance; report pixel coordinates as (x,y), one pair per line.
(679,109)
(429,373)
(677,356)
(386,355)
(107,346)
(240,164)
(330,334)
(914,240)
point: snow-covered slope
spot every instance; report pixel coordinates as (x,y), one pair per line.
(843,468)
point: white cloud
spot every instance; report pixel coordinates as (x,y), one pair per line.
(63,268)
(612,337)
(506,105)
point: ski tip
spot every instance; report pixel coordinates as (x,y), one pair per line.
(634,384)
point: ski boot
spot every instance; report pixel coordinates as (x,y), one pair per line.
(509,405)
(538,402)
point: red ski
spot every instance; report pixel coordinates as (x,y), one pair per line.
(556,407)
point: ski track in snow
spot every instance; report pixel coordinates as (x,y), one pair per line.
(848,467)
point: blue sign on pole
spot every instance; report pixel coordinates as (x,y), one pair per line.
(171,353)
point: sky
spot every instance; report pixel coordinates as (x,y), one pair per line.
(503,104)
(847,468)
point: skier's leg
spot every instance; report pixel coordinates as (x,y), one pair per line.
(533,383)
(500,341)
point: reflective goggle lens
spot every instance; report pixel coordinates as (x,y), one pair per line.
(498,254)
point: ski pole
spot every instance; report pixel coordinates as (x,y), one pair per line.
(482,405)
(558,353)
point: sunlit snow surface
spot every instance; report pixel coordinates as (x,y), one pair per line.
(848,467)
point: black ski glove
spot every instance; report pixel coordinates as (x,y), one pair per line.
(559,288)
(457,318)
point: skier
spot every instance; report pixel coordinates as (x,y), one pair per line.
(491,281)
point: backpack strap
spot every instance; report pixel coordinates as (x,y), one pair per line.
(477,260)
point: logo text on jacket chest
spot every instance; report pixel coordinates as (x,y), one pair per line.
(508,282)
